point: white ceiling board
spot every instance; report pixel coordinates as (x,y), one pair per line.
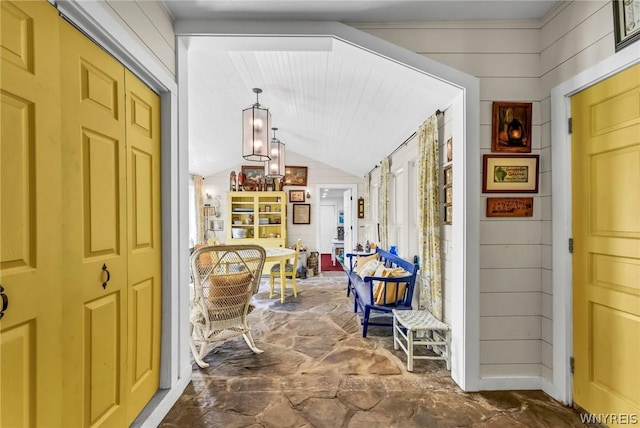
(361,11)
(333,101)
(347,107)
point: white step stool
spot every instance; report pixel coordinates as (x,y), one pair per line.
(421,321)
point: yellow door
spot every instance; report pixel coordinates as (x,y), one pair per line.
(606,259)
(95,234)
(30,216)
(143,207)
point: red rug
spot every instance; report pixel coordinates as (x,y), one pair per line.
(325,260)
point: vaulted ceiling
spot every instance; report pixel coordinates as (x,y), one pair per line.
(332,101)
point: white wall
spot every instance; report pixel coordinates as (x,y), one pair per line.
(317,173)
(151,24)
(515,61)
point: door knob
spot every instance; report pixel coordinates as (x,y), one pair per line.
(104,269)
(5,302)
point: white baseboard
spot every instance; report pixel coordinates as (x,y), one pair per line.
(510,383)
(162,402)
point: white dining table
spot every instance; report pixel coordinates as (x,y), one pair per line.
(281,255)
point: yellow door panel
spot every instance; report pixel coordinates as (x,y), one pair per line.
(95,274)
(143,156)
(17,35)
(102,369)
(30,215)
(615,166)
(101,172)
(18,366)
(615,351)
(606,232)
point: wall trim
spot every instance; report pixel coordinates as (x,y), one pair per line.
(562,387)
(509,383)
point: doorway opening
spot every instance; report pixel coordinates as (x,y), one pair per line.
(336,224)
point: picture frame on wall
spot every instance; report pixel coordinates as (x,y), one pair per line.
(510,207)
(510,174)
(296,196)
(511,127)
(626,22)
(253,174)
(295,175)
(217,225)
(254,178)
(301,213)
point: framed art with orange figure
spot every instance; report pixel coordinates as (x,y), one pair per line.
(511,127)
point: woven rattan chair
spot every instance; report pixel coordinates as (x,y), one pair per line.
(225,277)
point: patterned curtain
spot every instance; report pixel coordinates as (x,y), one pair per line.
(199,193)
(429,217)
(383,203)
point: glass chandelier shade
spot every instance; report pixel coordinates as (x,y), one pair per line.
(274,167)
(256,121)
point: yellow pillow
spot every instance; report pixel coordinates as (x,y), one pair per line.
(388,298)
(229,287)
(362,260)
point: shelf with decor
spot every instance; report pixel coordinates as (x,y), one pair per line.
(257,217)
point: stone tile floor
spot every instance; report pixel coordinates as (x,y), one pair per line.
(318,371)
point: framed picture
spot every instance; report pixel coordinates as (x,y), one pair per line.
(448,174)
(447,190)
(217,225)
(509,207)
(295,176)
(511,127)
(296,195)
(253,174)
(626,22)
(360,207)
(301,213)
(510,174)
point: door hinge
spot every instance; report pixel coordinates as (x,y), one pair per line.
(570,124)
(571,245)
(572,364)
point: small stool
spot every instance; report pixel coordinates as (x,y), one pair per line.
(420,321)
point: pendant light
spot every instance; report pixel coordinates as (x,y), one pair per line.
(256,121)
(274,167)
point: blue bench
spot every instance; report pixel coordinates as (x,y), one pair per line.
(363,289)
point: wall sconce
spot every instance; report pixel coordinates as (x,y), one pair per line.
(308,195)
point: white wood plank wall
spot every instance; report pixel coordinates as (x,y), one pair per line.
(151,24)
(515,61)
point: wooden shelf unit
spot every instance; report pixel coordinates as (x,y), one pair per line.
(263,215)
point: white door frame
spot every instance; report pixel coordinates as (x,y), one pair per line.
(354,193)
(562,387)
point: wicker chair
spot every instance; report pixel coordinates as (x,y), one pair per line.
(225,277)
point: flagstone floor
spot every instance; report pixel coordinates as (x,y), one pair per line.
(318,371)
